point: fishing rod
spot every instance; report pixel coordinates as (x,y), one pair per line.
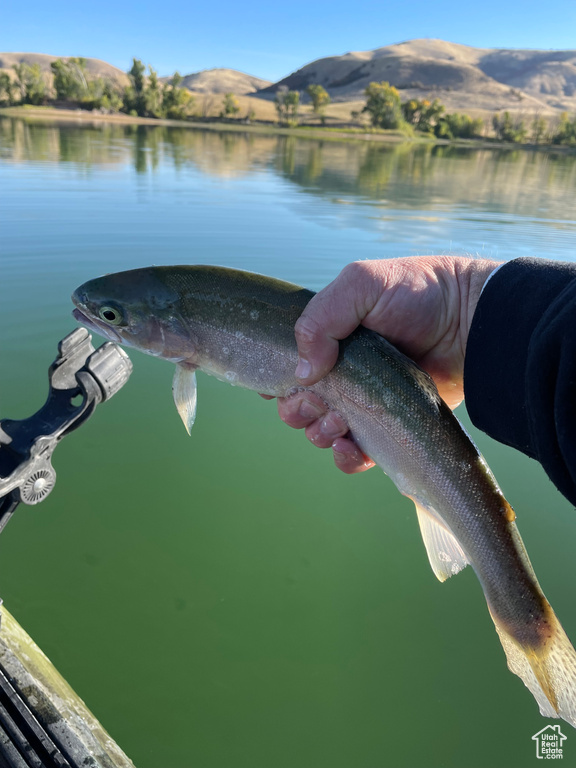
(37,729)
(80,379)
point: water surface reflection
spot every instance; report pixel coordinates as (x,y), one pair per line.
(515,181)
(230,599)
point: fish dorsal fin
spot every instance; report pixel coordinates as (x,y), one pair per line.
(185,394)
(446,556)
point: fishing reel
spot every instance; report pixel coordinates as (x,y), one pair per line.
(80,379)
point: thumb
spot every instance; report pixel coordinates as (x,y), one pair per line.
(331,315)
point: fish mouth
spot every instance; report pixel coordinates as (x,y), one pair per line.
(93,325)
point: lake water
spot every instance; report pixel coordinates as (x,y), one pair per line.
(229,599)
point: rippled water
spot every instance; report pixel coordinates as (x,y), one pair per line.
(229,599)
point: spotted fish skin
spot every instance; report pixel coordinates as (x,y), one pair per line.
(239,327)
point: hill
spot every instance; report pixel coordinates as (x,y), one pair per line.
(223,81)
(95,67)
(207,81)
(474,80)
(462,77)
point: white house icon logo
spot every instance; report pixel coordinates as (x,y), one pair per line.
(549,743)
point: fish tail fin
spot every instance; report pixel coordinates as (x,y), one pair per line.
(548,671)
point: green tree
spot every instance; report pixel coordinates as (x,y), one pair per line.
(7,88)
(146,97)
(30,83)
(458,126)
(137,76)
(279,99)
(176,102)
(230,105)
(102,94)
(410,111)
(320,99)
(423,114)
(287,103)
(383,105)
(133,96)
(539,128)
(153,96)
(566,131)
(508,128)
(70,79)
(292,103)
(72,83)
(111,99)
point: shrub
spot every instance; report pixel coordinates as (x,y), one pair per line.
(383,105)
(508,128)
(459,126)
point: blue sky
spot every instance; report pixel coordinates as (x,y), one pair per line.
(271,39)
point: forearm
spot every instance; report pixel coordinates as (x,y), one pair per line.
(520,364)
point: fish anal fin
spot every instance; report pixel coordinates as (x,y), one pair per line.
(185,394)
(446,556)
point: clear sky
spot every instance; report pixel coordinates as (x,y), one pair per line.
(271,39)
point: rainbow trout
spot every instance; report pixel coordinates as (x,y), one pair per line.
(239,327)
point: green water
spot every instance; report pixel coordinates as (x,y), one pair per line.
(230,599)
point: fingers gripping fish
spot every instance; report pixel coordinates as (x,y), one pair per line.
(239,327)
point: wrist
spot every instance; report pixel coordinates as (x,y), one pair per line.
(477,274)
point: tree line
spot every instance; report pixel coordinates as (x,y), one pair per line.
(520,130)
(147,96)
(386,110)
(287,103)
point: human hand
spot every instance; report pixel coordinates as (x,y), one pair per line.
(421,304)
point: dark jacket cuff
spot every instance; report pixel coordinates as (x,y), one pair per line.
(520,365)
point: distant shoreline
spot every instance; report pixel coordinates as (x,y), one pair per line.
(81,115)
(53,114)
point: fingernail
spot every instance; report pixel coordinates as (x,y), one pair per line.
(327,426)
(303,369)
(339,456)
(309,410)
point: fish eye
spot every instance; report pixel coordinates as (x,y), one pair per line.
(110,315)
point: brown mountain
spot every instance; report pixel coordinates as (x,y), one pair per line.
(223,81)
(207,81)
(462,77)
(95,67)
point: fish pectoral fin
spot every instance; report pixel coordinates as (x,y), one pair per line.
(185,394)
(446,556)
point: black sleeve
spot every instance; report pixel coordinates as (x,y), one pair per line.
(520,366)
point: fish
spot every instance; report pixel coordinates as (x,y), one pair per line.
(239,327)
